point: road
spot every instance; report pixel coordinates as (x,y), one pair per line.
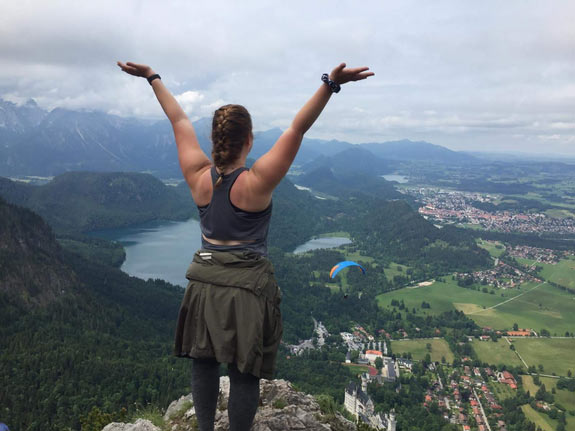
(482,411)
(505,302)
(517,353)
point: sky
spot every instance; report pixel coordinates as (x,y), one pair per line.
(473,76)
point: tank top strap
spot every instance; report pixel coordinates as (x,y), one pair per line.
(228,178)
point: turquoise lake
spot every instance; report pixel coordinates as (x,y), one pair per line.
(165,249)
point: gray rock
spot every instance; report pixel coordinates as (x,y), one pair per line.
(139,425)
(282,408)
(176,406)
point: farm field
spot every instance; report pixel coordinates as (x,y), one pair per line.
(496,353)
(444,296)
(562,273)
(537,305)
(555,354)
(543,307)
(539,419)
(495,248)
(418,349)
(562,396)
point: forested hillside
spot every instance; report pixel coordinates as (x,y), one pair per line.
(76,335)
(83,201)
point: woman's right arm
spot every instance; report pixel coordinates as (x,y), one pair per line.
(193,161)
(269,169)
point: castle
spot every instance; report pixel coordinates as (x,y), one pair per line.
(358,403)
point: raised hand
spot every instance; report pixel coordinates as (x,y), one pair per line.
(341,74)
(136,69)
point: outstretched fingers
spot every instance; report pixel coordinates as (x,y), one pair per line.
(359,73)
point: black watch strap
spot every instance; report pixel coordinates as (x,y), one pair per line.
(154,76)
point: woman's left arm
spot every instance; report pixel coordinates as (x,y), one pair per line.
(193,160)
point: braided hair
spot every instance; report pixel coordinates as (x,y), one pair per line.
(231,128)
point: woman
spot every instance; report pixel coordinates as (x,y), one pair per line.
(230,311)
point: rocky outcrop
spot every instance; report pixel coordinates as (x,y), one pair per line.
(282,408)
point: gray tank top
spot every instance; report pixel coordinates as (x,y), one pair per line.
(221,220)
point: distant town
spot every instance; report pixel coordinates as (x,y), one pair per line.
(449,206)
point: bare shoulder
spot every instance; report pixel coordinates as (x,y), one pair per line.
(201,187)
(246,194)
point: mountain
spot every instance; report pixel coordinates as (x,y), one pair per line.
(32,270)
(37,142)
(416,151)
(350,161)
(310,148)
(83,201)
(15,120)
(75,334)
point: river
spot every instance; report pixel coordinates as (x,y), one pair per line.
(165,249)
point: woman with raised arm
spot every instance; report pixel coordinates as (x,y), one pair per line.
(230,311)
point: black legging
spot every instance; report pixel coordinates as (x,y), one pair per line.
(243,401)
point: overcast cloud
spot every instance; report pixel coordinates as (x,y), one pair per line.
(489,75)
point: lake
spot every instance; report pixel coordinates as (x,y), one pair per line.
(165,249)
(158,249)
(317,243)
(402,179)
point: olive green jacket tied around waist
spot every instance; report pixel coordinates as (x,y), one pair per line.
(231,311)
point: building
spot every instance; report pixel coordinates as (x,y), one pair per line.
(372,355)
(359,404)
(390,370)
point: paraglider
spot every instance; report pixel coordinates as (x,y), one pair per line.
(342,265)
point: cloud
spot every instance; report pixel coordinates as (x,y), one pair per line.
(460,75)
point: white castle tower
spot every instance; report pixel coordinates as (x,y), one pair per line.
(391,423)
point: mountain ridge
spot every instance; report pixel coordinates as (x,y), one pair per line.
(34,141)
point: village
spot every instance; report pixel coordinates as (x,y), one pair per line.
(447,206)
(464,396)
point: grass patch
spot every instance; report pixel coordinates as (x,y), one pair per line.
(356,369)
(151,413)
(395,269)
(544,307)
(501,390)
(539,419)
(555,354)
(443,296)
(562,273)
(496,353)
(418,349)
(338,234)
(559,213)
(495,248)
(356,256)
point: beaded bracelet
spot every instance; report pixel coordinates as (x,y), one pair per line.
(333,86)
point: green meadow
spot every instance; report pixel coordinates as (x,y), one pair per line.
(534,305)
(444,296)
(562,273)
(540,420)
(418,348)
(495,248)
(395,269)
(557,355)
(501,390)
(496,353)
(539,306)
(563,398)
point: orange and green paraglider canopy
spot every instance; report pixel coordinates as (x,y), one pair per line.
(342,265)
